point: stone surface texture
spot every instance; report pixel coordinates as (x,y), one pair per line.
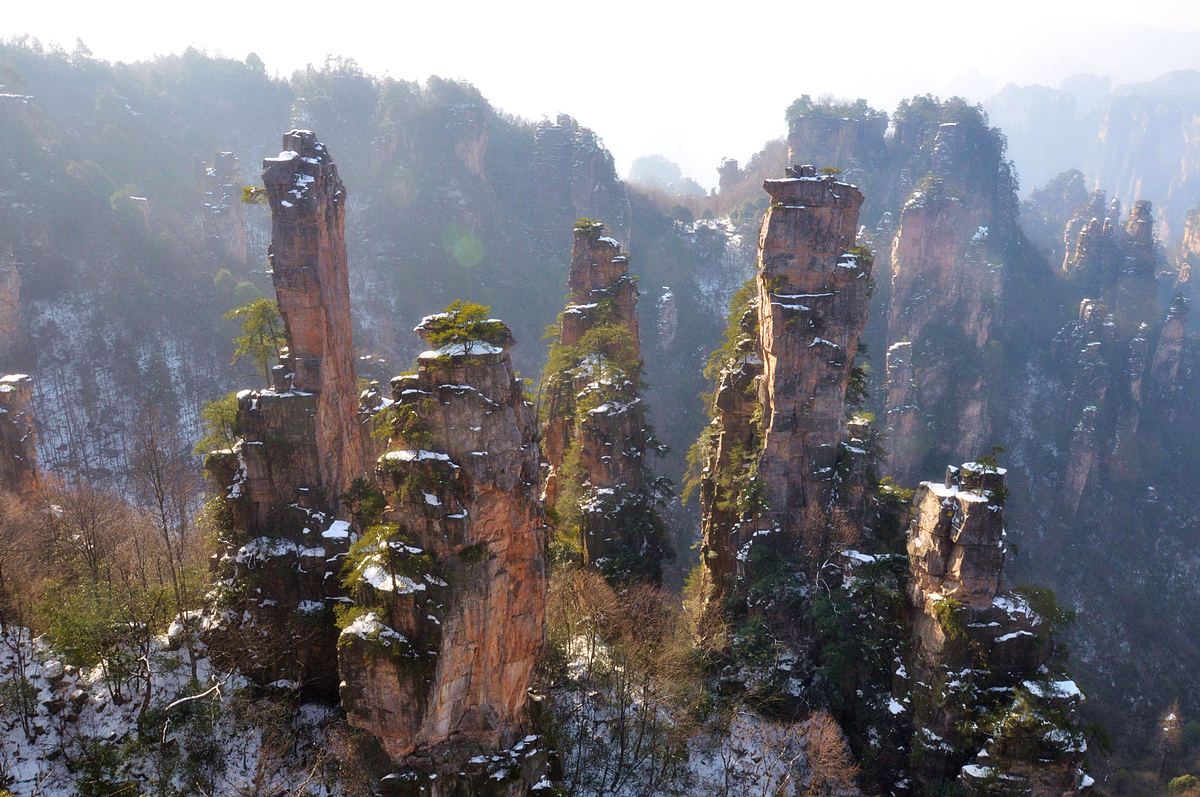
(308,260)
(780,404)
(976,648)
(471,609)
(302,442)
(18,436)
(596,409)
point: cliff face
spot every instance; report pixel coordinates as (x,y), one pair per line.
(813,297)
(597,476)
(946,293)
(18,437)
(224,221)
(977,650)
(1118,373)
(301,442)
(308,258)
(575,177)
(450,589)
(774,455)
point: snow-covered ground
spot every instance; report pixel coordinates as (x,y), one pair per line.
(210,736)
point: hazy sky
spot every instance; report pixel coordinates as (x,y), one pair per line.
(693,82)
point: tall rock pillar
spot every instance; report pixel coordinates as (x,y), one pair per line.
(18,437)
(775,454)
(450,589)
(301,444)
(595,417)
(813,297)
(308,259)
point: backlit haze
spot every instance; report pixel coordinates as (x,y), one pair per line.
(692,82)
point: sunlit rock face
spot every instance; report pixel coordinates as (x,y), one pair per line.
(977,649)
(308,260)
(595,419)
(302,443)
(18,436)
(781,403)
(451,589)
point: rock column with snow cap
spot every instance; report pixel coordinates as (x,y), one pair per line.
(813,298)
(979,651)
(595,412)
(18,437)
(308,261)
(450,589)
(301,444)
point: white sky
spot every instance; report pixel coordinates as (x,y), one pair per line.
(695,83)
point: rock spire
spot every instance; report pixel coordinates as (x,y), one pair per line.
(450,588)
(775,444)
(18,436)
(595,438)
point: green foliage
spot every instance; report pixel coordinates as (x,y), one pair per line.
(262,333)
(566,540)
(366,502)
(1043,601)
(219,418)
(832,107)
(948,612)
(1183,783)
(740,327)
(404,422)
(254,195)
(390,548)
(830,171)
(465,322)
(594,228)
(97,768)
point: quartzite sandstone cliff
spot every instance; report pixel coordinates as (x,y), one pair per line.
(301,441)
(780,410)
(451,588)
(594,435)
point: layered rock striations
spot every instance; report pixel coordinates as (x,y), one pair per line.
(595,440)
(437,655)
(988,707)
(18,436)
(941,212)
(775,455)
(301,442)
(308,261)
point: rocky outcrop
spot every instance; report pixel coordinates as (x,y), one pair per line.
(18,436)
(437,657)
(308,260)
(1118,373)
(980,652)
(10,307)
(774,459)
(224,222)
(575,177)
(302,443)
(595,439)
(947,287)
(813,293)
